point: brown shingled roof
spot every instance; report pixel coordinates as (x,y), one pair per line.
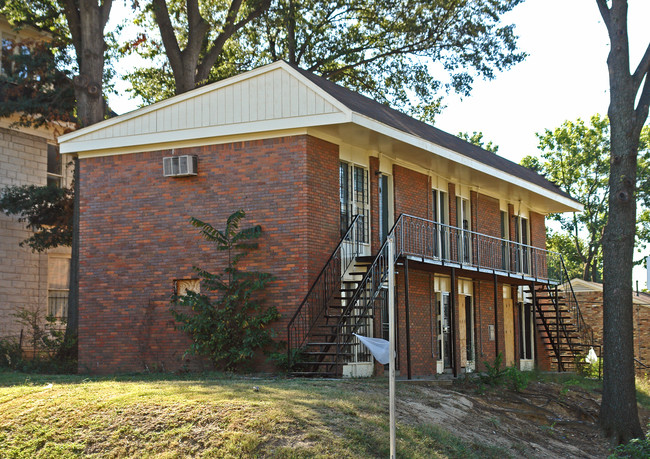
(398,120)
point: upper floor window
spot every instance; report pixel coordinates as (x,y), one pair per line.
(54,169)
(440,211)
(464,222)
(9,64)
(354,198)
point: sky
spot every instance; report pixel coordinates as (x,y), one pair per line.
(563,78)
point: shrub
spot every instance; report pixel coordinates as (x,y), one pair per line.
(228,325)
(637,448)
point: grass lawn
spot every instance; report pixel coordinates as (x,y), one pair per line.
(209,415)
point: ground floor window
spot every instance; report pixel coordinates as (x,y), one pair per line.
(58,282)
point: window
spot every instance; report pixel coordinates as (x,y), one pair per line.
(58,278)
(182,286)
(440,212)
(464,223)
(522,254)
(9,65)
(354,198)
(505,236)
(54,170)
(5,56)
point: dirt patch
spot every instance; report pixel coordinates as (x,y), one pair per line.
(544,420)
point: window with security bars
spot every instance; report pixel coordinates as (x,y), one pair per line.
(354,198)
(58,274)
(54,169)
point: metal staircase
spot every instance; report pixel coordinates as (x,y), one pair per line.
(351,287)
(560,324)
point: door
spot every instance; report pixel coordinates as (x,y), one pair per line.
(445,357)
(509,331)
(526,336)
(466,332)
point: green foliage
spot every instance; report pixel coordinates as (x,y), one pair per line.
(637,448)
(230,325)
(476,138)
(51,350)
(576,156)
(517,379)
(38,87)
(404,53)
(568,246)
(47,211)
(496,375)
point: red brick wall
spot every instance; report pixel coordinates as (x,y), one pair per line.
(453,215)
(537,230)
(411,192)
(486,215)
(135,238)
(591,306)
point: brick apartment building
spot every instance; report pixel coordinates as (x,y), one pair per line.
(28,156)
(327,173)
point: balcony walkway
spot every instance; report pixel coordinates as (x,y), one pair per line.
(433,243)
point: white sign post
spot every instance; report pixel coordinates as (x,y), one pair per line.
(391,340)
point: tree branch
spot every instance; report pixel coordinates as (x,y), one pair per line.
(642,109)
(230,27)
(161,13)
(71,9)
(605,13)
(642,69)
(105,11)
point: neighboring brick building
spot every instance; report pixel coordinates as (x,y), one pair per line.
(28,281)
(303,156)
(590,297)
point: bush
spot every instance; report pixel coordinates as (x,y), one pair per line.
(496,376)
(229,325)
(637,448)
(50,348)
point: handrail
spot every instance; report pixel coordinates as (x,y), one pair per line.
(584,329)
(374,277)
(425,239)
(327,283)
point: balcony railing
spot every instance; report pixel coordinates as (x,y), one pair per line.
(448,245)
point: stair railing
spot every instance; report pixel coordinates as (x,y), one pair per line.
(573,306)
(361,303)
(326,285)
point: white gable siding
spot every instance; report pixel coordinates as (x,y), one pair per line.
(269,96)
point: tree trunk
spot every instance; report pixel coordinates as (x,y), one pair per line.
(90,57)
(86,20)
(618,412)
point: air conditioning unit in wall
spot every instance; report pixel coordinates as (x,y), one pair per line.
(180,166)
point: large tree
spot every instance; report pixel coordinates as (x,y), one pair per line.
(576,156)
(405,53)
(628,111)
(196,40)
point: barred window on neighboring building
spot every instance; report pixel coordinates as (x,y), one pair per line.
(58,278)
(54,169)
